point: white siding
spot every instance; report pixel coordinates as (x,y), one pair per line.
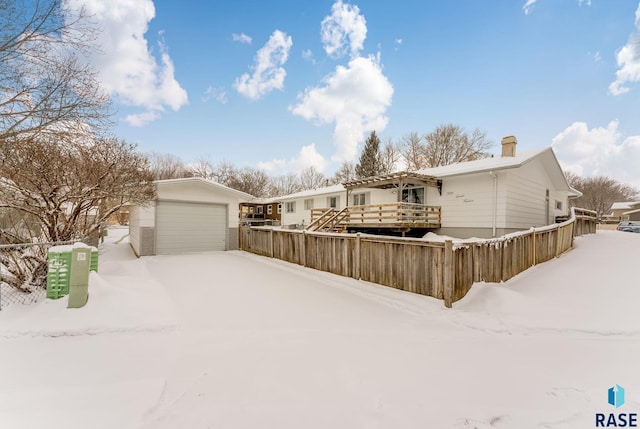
(526,190)
(468,201)
(301,215)
(139,217)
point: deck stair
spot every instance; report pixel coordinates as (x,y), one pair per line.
(331,220)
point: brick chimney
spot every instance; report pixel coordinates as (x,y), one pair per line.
(509,146)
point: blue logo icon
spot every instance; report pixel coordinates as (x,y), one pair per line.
(616,396)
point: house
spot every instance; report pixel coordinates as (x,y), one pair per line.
(188,215)
(634,213)
(624,211)
(483,198)
(261,211)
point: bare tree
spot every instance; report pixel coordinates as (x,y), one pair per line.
(311,178)
(389,158)
(168,166)
(204,168)
(413,152)
(599,193)
(250,180)
(43,82)
(284,185)
(346,173)
(449,143)
(62,188)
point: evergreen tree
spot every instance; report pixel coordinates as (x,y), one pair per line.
(370,163)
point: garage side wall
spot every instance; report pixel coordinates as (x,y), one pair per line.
(142,230)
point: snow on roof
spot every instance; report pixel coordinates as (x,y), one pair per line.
(207,182)
(631,212)
(624,205)
(313,192)
(485,164)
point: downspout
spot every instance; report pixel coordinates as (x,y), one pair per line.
(495,203)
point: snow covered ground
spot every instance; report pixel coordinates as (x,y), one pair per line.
(233,340)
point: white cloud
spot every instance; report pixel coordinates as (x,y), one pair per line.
(141,119)
(307,157)
(344,30)
(218,94)
(628,59)
(241,38)
(355,98)
(268,73)
(528,6)
(307,54)
(599,152)
(127,68)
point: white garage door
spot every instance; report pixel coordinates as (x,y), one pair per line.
(190,227)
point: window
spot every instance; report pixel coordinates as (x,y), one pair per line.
(290,207)
(413,195)
(259,209)
(333,202)
(269,209)
(359,199)
(279,208)
(308,204)
(558,205)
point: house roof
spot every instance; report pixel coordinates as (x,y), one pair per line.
(630,212)
(313,192)
(502,163)
(481,165)
(214,185)
(624,205)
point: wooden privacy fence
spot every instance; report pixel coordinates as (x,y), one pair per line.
(443,270)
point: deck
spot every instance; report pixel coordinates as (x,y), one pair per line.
(388,215)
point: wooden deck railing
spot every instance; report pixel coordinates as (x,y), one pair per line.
(443,270)
(388,214)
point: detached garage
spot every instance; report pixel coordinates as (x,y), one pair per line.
(189,215)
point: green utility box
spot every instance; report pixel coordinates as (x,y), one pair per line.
(79,277)
(59,268)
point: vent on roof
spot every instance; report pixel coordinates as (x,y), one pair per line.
(509,146)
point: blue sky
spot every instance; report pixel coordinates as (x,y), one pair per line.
(286,84)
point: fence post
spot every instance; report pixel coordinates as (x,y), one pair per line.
(303,249)
(535,255)
(448,274)
(271,242)
(356,258)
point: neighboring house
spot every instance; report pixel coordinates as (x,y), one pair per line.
(634,213)
(261,211)
(484,198)
(623,210)
(188,215)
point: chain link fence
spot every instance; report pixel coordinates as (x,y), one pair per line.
(23,272)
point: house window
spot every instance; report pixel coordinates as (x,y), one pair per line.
(280,208)
(269,209)
(558,205)
(259,209)
(290,207)
(413,195)
(308,204)
(333,202)
(359,199)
